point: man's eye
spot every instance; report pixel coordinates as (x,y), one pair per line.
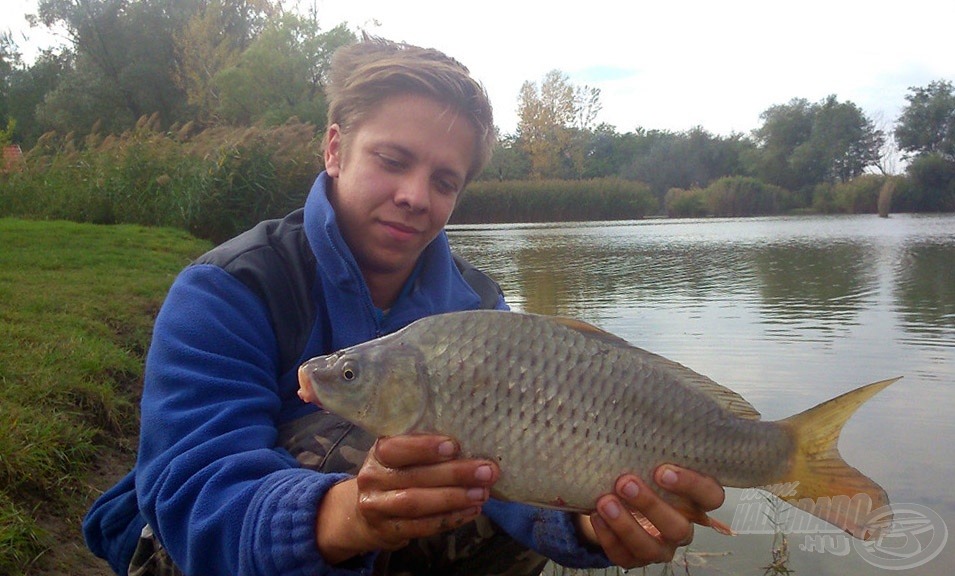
(447,187)
(389,162)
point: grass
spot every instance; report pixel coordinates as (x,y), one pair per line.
(77,303)
(779,552)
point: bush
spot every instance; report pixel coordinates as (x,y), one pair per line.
(930,185)
(857,196)
(554,201)
(729,196)
(744,196)
(680,203)
(214,184)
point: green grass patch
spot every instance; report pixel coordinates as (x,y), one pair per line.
(77,304)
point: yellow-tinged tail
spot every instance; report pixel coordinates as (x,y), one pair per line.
(823,484)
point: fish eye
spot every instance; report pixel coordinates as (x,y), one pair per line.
(349,371)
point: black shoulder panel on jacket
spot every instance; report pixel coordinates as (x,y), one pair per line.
(489,290)
(274,260)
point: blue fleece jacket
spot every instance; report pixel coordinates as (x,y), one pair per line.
(210,480)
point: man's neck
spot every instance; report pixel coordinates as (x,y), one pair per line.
(385,287)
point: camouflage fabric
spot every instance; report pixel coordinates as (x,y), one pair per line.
(150,558)
(327,443)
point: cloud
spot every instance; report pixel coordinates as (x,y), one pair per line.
(601,73)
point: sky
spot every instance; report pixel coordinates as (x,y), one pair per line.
(670,65)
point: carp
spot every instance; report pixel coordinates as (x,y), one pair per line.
(565,408)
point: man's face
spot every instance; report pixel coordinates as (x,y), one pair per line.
(396,178)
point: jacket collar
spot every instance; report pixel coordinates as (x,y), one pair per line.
(438,287)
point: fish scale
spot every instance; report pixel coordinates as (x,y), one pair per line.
(566,408)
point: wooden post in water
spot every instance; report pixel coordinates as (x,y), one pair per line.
(885,196)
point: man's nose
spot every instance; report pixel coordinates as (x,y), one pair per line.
(415,193)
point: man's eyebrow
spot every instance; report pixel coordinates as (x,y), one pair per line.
(409,153)
(392,146)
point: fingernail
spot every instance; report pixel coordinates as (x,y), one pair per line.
(477,494)
(611,510)
(668,477)
(630,489)
(446,448)
(483,473)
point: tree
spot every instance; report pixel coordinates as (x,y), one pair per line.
(82,98)
(608,152)
(9,63)
(803,144)
(281,74)
(685,160)
(927,123)
(931,186)
(552,123)
(212,40)
(926,131)
(785,127)
(124,53)
(508,162)
(28,87)
(842,143)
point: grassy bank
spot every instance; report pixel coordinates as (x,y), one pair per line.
(77,303)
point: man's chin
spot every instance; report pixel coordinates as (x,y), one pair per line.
(390,262)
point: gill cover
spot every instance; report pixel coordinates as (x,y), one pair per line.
(379,385)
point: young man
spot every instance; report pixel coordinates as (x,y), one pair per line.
(236,475)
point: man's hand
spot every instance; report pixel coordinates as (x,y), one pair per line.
(409,487)
(636,527)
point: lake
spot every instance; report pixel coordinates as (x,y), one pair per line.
(789,312)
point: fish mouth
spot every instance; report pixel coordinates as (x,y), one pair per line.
(307,383)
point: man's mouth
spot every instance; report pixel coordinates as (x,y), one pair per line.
(399,230)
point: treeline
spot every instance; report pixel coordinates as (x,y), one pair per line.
(205,114)
(803,151)
(212,62)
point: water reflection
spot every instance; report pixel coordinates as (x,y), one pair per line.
(818,288)
(925,293)
(789,312)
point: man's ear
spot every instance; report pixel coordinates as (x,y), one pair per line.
(333,150)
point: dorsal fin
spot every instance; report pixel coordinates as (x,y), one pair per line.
(591,331)
(725,397)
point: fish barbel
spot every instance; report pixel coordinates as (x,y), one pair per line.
(566,408)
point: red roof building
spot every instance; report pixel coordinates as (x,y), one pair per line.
(12,158)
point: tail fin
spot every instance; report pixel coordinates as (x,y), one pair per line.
(825,485)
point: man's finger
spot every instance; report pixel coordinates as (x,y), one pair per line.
(700,489)
(415,503)
(415,450)
(663,522)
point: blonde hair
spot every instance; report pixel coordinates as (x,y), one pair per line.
(364,74)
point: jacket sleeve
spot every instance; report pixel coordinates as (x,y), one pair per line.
(551,533)
(219,495)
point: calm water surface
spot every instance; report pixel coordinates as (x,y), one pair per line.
(789,312)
